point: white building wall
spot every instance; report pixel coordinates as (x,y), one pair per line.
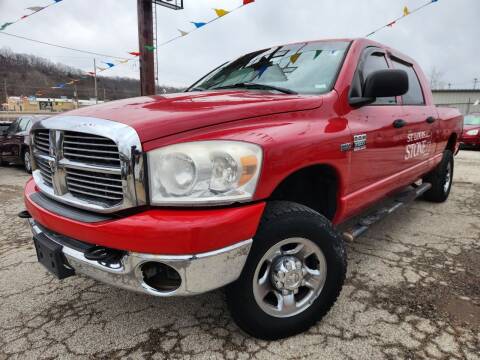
(467,101)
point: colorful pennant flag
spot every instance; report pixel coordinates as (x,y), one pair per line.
(124,61)
(110,65)
(317,54)
(182,33)
(150,47)
(134,53)
(91,73)
(198,24)
(221,12)
(391,24)
(406,12)
(36,8)
(246,2)
(101,68)
(4,26)
(294,57)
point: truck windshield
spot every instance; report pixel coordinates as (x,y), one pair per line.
(472,120)
(306,68)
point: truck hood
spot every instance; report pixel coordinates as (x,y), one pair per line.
(158,116)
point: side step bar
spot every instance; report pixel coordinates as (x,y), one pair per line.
(398,201)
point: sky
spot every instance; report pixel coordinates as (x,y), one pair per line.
(444,37)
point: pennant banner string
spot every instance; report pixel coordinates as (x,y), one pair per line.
(406,12)
(34,9)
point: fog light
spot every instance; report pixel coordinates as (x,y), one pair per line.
(161,277)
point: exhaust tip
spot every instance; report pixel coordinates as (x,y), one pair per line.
(161,277)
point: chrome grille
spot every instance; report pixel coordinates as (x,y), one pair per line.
(45,171)
(90,149)
(41,141)
(93,164)
(92,185)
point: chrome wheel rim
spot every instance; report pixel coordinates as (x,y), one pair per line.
(289,277)
(448,178)
(26,159)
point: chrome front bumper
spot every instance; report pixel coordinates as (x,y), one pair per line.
(199,273)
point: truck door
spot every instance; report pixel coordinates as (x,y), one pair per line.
(421,121)
(380,156)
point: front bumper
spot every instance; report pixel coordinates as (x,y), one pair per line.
(198,273)
(153,231)
(470,140)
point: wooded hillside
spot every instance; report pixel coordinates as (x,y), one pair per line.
(27,74)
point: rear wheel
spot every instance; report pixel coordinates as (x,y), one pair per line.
(441,179)
(293,274)
(27,162)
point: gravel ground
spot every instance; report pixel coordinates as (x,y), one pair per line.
(412,292)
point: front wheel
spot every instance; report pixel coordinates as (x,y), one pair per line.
(293,275)
(441,179)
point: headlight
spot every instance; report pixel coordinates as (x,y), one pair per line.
(204,172)
(472,132)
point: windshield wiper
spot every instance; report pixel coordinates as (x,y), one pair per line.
(249,85)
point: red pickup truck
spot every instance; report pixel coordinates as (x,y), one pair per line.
(243,180)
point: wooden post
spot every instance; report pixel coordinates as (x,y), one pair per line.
(145,37)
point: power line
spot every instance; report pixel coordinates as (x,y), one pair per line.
(61,46)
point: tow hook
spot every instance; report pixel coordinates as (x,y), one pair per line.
(24,215)
(102,254)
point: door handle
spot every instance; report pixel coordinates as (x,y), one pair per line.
(431,120)
(399,123)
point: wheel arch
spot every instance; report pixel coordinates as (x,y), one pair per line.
(452,142)
(316,186)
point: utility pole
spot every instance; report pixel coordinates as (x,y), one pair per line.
(5,89)
(75,95)
(145,37)
(475,81)
(95,79)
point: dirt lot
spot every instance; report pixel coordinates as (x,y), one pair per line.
(412,291)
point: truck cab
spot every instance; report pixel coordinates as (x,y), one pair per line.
(242,181)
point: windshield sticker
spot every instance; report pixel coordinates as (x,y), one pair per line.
(418,144)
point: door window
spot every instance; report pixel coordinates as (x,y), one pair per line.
(374,62)
(414,96)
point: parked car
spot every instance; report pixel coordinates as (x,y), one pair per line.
(14,142)
(471,131)
(4,124)
(242,181)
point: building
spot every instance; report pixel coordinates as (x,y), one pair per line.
(467,101)
(35,105)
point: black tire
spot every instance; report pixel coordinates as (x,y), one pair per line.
(27,165)
(285,220)
(439,177)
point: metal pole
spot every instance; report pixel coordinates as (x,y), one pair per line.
(475,83)
(145,37)
(95,79)
(5,87)
(75,95)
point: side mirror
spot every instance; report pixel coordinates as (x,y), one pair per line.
(382,83)
(386,83)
